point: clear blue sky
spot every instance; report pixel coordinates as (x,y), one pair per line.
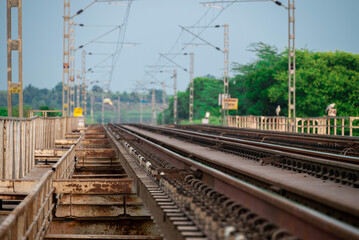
(321,25)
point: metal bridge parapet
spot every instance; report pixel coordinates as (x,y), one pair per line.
(344,126)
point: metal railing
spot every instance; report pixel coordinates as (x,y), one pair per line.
(344,126)
(65,166)
(32,217)
(19,137)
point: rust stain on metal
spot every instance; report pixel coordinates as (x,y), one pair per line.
(91,186)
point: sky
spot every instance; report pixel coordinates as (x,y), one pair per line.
(321,25)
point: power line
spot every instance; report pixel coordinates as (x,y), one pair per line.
(86,25)
(208,25)
(102,35)
(83,9)
(123,31)
(184,69)
(197,36)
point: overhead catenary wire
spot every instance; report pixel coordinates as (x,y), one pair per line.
(234,1)
(197,36)
(279,3)
(83,9)
(93,54)
(87,25)
(208,24)
(100,62)
(184,69)
(102,35)
(123,31)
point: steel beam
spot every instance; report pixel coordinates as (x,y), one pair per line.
(18,186)
(97,153)
(93,186)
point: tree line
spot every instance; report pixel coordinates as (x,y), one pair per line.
(51,99)
(322,78)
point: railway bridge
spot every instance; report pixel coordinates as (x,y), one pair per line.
(63,180)
(254,178)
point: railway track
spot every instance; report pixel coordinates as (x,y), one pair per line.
(327,166)
(247,204)
(341,145)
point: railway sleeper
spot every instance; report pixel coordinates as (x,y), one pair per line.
(307,167)
(337,174)
(219,216)
(201,208)
(155,197)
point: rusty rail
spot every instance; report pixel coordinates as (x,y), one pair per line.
(343,145)
(19,137)
(279,210)
(343,126)
(337,168)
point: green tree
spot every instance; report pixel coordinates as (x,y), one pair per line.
(3,111)
(251,84)
(206,92)
(322,78)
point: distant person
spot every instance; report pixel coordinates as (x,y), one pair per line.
(277,110)
(330,106)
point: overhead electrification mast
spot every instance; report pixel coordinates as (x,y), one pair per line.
(14,45)
(66,60)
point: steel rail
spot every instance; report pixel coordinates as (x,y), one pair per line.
(340,211)
(304,152)
(274,132)
(326,143)
(294,159)
(296,218)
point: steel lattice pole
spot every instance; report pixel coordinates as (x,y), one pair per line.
(141,100)
(175,96)
(191,90)
(118,110)
(78,86)
(14,45)
(291,59)
(92,99)
(226,70)
(84,87)
(72,67)
(153,107)
(163,101)
(103,110)
(65,73)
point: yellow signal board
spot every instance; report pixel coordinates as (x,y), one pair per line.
(14,90)
(77,112)
(230,103)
